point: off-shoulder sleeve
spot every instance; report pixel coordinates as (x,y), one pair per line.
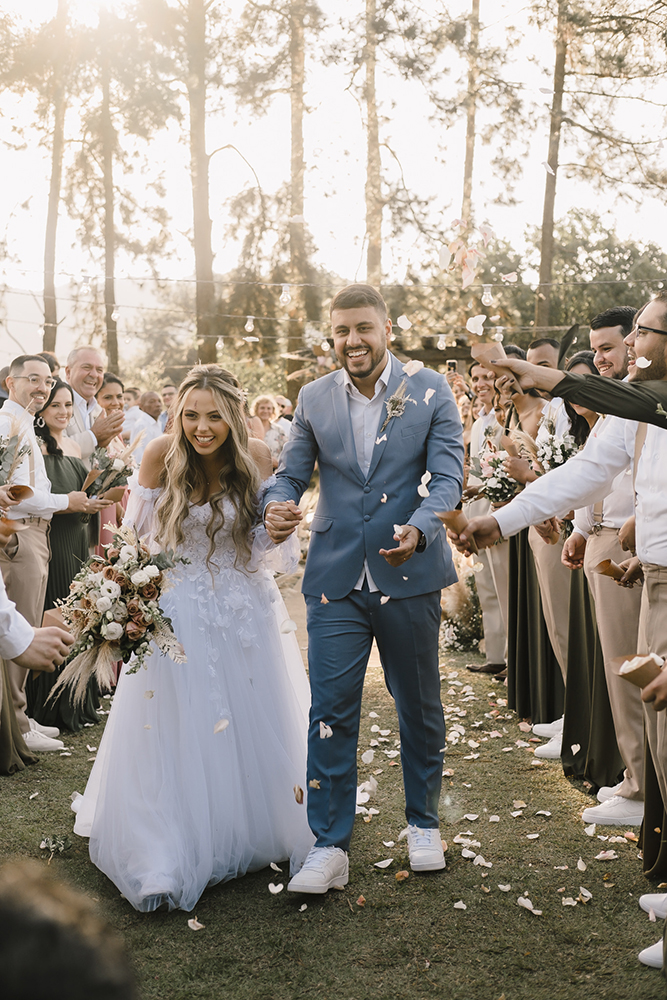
(282,558)
(140,506)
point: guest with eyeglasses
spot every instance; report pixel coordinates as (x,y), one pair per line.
(24,561)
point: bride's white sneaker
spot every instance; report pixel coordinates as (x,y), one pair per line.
(425,849)
(324,868)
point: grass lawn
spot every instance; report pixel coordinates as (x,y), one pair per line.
(408,940)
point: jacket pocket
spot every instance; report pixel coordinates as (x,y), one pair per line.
(413,429)
(320,523)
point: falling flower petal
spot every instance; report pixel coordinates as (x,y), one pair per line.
(384,599)
(275,889)
(575,748)
(510,278)
(486,233)
(383,498)
(428,394)
(220,725)
(288,626)
(444,258)
(326,732)
(403,322)
(194,925)
(548,168)
(383,864)
(324,599)
(367,756)
(412,367)
(149,694)
(460,905)
(314,783)
(476,324)
(379,440)
(399,530)
(643,362)
(298,794)
(147,727)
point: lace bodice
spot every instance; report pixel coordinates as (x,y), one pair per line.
(281,558)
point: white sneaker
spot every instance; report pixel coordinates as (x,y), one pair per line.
(323,868)
(616,811)
(552,749)
(50,731)
(425,849)
(35,741)
(652,956)
(656,901)
(607,791)
(548,729)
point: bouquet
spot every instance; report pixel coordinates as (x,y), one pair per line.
(113,612)
(556,449)
(13,450)
(107,473)
(497,486)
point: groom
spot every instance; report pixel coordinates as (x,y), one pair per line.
(377,561)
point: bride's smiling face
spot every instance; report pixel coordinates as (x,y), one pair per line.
(203,425)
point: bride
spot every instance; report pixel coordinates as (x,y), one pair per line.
(194,781)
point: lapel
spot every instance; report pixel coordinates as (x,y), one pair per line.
(395,377)
(342,414)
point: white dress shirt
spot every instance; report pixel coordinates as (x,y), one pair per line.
(485,428)
(617,507)
(86,408)
(151,429)
(590,476)
(43,503)
(365,419)
(15,632)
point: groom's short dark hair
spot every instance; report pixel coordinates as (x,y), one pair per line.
(357,296)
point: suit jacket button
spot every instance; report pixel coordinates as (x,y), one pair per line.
(367,517)
(367,489)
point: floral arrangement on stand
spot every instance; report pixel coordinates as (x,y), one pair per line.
(113,612)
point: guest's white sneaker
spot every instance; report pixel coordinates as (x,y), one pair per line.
(50,731)
(425,849)
(546,730)
(616,811)
(607,791)
(652,956)
(324,868)
(35,741)
(656,901)
(551,750)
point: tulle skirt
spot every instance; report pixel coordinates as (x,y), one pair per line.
(195,774)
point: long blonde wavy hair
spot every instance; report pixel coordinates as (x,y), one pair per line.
(184,475)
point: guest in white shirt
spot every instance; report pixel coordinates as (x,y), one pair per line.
(131,400)
(150,406)
(89,425)
(168,393)
(25,561)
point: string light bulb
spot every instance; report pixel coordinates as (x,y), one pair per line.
(114,315)
(220,343)
(487,297)
(249,324)
(442,343)
(285,297)
(128,340)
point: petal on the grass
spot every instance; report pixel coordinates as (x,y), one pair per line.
(194,924)
(275,867)
(460,905)
(304,906)
(383,864)
(581,865)
(606,856)
(367,756)
(361,901)
(275,889)
(590,830)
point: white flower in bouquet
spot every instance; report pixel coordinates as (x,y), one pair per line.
(140,578)
(118,465)
(103,604)
(112,631)
(96,579)
(127,553)
(151,570)
(493,483)
(110,589)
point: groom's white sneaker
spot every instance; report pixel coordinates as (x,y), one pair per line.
(324,868)
(425,848)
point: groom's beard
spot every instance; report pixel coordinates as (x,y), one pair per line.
(373,360)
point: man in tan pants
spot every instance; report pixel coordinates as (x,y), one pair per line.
(24,562)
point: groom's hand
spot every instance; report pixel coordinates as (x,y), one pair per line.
(408,539)
(281,519)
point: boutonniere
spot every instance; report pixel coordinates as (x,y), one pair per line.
(396,404)
(661,412)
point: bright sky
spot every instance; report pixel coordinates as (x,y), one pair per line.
(335,183)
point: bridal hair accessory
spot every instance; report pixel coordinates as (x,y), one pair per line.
(113,613)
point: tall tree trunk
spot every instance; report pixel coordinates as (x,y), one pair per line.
(373,171)
(471,110)
(199,169)
(59,100)
(543,295)
(108,135)
(297,246)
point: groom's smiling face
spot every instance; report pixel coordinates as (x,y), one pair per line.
(361,337)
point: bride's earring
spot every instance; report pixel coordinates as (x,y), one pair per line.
(39,422)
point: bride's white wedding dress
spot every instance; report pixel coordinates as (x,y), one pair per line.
(172,805)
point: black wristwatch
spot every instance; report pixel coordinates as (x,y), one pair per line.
(421,544)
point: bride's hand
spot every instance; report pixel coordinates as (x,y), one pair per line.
(281,520)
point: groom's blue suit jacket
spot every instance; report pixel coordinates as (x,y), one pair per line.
(356,513)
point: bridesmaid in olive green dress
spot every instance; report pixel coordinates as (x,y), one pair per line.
(69,550)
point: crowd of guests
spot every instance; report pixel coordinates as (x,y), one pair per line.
(65,416)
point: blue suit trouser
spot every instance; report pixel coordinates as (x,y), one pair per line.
(340,636)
